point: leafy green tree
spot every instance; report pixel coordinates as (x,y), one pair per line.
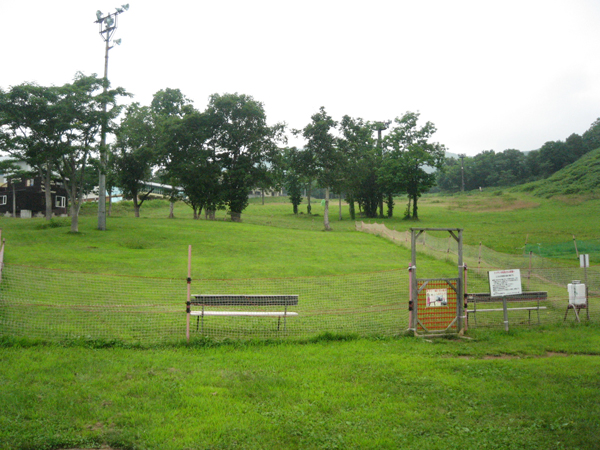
(170,103)
(591,137)
(449,179)
(136,153)
(553,156)
(30,130)
(322,144)
(186,161)
(409,145)
(242,140)
(191,162)
(361,162)
(81,114)
(308,171)
(293,180)
(55,129)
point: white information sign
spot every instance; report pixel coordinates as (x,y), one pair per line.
(437,297)
(505,282)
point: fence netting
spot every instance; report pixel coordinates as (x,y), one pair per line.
(54,305)
(537,274)
(49,304)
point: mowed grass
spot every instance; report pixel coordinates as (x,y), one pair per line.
(503,220)
(524,390)
(156,246)
(528,389)
(272,241)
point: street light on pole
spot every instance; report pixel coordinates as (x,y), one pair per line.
(108,26)
(381,126)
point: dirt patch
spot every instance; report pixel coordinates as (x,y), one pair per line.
(491,204)
(575,200)
(508,357)
(501,357)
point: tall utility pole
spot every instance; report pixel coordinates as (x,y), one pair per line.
(108,26)
(381,126)
(462,171)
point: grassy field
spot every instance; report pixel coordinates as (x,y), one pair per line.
(528,389)
(504,222)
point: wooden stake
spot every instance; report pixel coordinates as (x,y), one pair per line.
(189,294)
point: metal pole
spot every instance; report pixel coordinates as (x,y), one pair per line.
(529,274)
(103,153)
(413,280)
(461,291)
(108,25)
(466,301)
(587,290)
(189,295)
(505,308)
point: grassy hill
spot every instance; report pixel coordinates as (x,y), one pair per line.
(580,178)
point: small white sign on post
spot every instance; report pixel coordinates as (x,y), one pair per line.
(584,261)
(505,282)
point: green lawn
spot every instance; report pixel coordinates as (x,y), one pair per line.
(528,389)
(534,389)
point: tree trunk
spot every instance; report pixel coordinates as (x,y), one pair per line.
(308,207)
(171,210)
(381,206)
(74,221)
(390,205)
(326,211)
(236,216)
(75,204)
(262,194)
(415,215)
(340,215)
(351,208)
(136,206)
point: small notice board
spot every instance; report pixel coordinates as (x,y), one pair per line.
(505,282)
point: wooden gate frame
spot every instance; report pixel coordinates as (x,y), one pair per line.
(456,233)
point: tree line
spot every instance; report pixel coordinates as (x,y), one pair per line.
(213,158)
(512,167)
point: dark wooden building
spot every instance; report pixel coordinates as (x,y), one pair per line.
(29,195)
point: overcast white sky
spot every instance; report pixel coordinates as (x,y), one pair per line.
(489,74)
